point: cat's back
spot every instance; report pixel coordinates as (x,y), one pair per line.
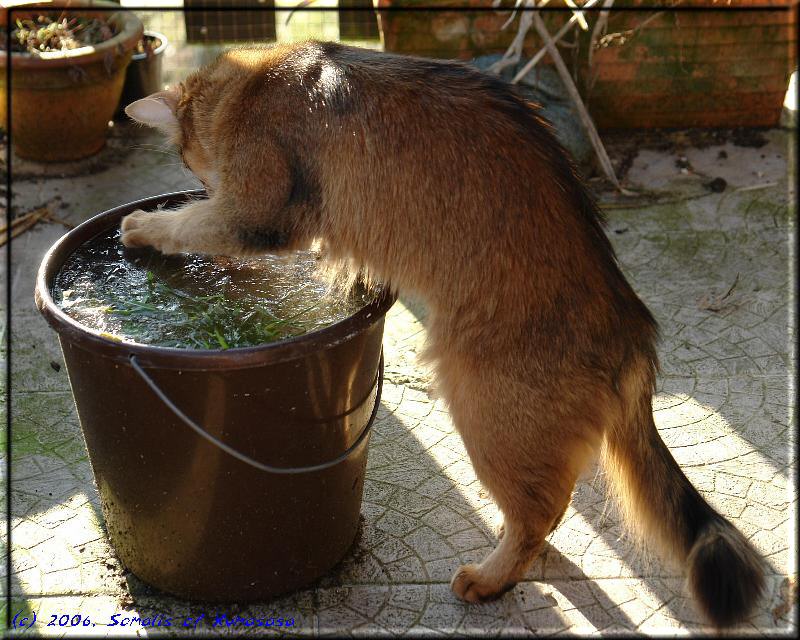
(352,81)
(311,57)
(423,84)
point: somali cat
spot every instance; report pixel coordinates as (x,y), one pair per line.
(442,182)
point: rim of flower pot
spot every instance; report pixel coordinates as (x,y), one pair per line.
(130,27)
(158,50)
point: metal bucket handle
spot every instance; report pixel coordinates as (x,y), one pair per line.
(247,459)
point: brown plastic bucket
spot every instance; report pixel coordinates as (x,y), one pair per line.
(223,475)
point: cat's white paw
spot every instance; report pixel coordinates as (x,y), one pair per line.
(144,229)
(471,585)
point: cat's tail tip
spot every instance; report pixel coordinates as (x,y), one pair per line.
(725,573)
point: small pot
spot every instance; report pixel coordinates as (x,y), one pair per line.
(192,513)
(61,102)
(143,76)
(712,66)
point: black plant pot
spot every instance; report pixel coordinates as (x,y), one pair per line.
(196,511)
(144,72)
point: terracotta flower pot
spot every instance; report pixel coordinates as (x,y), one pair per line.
(61,102)
(449,34)
(703,68)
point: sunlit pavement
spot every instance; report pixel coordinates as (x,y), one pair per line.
(715,269)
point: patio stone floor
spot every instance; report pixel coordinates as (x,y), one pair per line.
(725,407)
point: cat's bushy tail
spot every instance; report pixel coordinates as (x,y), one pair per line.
(725,573)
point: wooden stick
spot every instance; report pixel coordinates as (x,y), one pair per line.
(28,224)
(754,187)
(540,54)
(594,137)
(21,224)
(496,3)
(24,227)
(599,28)
(18,221)
(514,51)
(578,14)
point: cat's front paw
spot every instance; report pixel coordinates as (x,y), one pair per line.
(146,229)
(471,585)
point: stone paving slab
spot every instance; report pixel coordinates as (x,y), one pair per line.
(724,406)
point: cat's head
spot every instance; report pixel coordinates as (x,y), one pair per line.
(174,113)
(233,121)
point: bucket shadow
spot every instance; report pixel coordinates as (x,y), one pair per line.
(444,529)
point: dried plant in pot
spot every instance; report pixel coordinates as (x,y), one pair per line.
(68,62)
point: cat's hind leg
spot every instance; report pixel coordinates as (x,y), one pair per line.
(501,530)
(531,509)
(528,456)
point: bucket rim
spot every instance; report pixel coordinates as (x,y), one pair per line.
(174,358)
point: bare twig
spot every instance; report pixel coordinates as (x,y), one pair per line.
(513,15)
(623,36)
(27,221)
(300,5)
(594,137)
(599,30)
(540,54)
(22,224)
(733,286)
(577,14)
(514,51)
(755,187)
(710,302)
(18,221)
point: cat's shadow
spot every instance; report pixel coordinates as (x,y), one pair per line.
(551,570)
(387,558)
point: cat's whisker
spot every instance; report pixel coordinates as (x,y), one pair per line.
(156,149)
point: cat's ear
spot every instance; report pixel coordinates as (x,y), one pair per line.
(157,110)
